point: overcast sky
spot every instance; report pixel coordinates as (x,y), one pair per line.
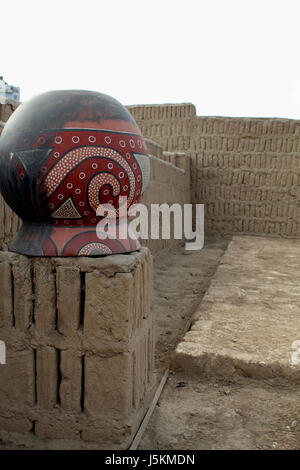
(229,58)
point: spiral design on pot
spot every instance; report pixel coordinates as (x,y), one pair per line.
(94,167)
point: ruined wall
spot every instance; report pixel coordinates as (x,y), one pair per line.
(169,183)
(7,107)
(79,371)
(9,222)
(245,170)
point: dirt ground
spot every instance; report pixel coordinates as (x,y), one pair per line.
(204,412)
(208,415)
(181,279)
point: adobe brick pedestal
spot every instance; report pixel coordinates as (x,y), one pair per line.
(80,350)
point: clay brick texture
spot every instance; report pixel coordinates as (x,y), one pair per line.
(6,110)
(245,170)
(170,182)
(79,368)
(9,222)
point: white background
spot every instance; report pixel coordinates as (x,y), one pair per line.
(229,58)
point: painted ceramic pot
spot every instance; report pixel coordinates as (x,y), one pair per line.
(62,155)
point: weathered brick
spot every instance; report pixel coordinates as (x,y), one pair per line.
(68,287)
(108,386)
(17,379)
(106,319)
(47,363)
(6,297)
(45,296)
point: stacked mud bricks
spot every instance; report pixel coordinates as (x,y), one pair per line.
(80,349)
(245,170)
(6,109)
(9,222)
(169,183)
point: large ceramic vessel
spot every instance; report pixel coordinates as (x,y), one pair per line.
(62,154)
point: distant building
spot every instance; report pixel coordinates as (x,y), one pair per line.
(9,92)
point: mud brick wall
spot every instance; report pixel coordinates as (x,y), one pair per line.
(80,349)
(245,170)
(7,107)
(9,222)
(169,183)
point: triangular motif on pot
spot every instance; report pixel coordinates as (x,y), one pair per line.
(66,211)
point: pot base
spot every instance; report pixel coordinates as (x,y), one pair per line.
(50,240)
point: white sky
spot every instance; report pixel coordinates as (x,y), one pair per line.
(228,57)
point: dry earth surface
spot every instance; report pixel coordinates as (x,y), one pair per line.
(211,414)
